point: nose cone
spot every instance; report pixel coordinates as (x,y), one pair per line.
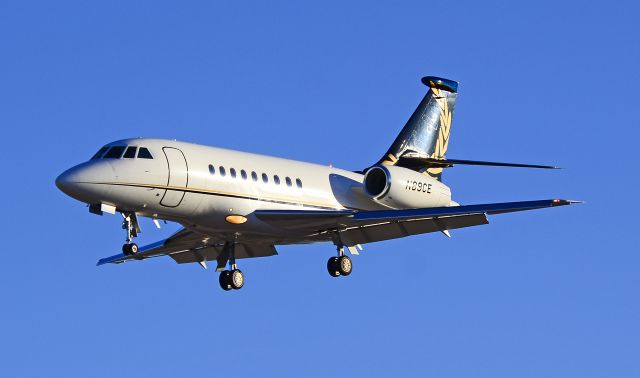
(65,182)
(86,182)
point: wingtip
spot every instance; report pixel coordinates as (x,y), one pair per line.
(104,261)
(547,167)
(562,202)
(115,259)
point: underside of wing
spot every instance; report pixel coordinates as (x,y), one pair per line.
(352,227)
(186,246)
(242,251)
(359,227)
(370,232)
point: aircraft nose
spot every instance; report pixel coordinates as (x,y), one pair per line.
(69,181)
(82,182)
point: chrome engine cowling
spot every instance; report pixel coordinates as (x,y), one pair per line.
(402,188)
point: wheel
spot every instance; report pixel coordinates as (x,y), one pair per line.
(236,279)
(130,249)
(332,266)
(344,265)
(225,280)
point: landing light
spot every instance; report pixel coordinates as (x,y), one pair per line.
(236,219)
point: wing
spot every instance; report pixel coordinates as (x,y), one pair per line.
(354,227)
(359,227)
(187,246)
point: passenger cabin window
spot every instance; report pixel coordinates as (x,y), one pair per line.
(114,152)
(100,152)
(130,153)
(143,153)
(254,176)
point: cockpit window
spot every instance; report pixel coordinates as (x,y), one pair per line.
(100,152)
(130,153)
(115,152)
(143,153)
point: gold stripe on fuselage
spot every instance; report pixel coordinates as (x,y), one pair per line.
(283,200)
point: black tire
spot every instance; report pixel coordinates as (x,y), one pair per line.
(332,266)
(126,250)
(236,279)
(133,248)
(345,266)
(225,282)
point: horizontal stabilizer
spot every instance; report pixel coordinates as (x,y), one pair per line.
(416,162)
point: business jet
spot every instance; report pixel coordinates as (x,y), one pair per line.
(234,205)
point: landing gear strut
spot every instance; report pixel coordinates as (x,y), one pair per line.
(130,225)
(340,265)
(233,278)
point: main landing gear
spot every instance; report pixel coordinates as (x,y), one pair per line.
(340,265)
(232,278)
(131,226)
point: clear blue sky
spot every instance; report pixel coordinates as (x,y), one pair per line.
(552,293)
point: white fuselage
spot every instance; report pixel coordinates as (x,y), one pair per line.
(200,186)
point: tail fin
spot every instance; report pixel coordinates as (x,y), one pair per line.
(426,134)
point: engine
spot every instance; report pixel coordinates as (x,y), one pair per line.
(402,188)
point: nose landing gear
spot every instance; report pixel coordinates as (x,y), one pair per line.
(131,226)
(130,249)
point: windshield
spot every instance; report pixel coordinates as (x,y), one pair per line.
(100,152)
(115,152)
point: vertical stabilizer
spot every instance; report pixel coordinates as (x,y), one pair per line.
(427,132)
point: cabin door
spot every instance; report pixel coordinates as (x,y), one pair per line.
(178,177)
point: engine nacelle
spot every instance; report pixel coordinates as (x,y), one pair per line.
(402,188)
